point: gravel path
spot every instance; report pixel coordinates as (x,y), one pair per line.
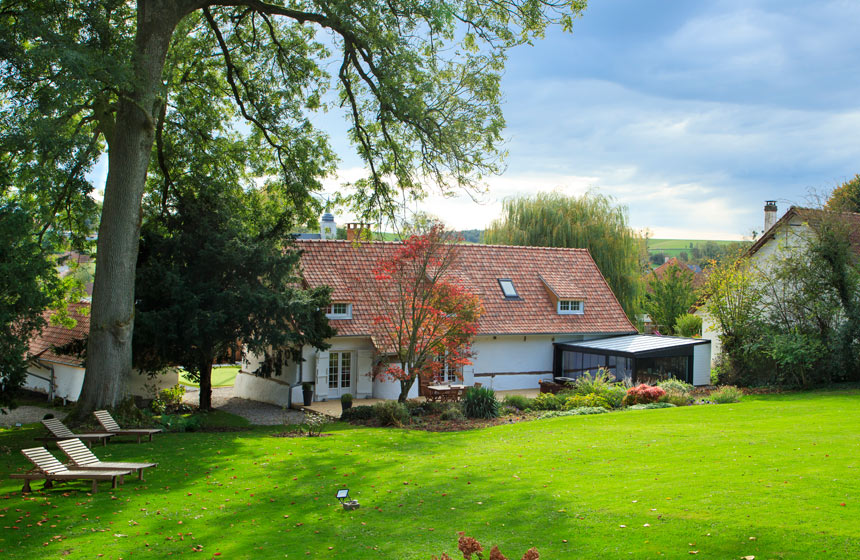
(28,415)
(258,413)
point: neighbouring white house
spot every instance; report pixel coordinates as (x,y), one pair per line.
(783,238)
(545,311)
(59,373)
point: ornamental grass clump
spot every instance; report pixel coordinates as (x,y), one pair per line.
(590,400)
(587,384)
(727,394)
(675,385)
(480,402)
(643,394)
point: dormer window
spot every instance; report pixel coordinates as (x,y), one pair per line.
(508,289)
(339,311)
(570,307)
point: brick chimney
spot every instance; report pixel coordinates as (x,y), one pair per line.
(357,231)
(769,214)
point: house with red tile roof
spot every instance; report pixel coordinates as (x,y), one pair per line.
(697,272)
(56,368)
(533,298)
(785,238)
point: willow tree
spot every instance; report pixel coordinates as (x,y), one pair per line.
(591,221)
(418,81)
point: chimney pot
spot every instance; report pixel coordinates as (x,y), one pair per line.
(358,231)
(770,210)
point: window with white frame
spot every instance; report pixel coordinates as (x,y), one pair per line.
(570,307)
(449,372)
(339,311)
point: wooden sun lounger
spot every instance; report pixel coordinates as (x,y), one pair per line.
(111,427)
(49,469)
(59,431)
(83,458)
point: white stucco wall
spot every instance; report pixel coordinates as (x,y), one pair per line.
(502,362)
(69,380)
(387,389)
(789,241)
(702,364)
(506,362)
(269,390)
(140,385)
(710,331)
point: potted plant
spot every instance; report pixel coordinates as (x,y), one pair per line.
(307,392)
(345,401)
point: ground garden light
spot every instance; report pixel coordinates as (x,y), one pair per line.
(342,495)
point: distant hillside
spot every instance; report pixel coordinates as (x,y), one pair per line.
(692,250)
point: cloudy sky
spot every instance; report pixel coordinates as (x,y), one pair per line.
(691,114)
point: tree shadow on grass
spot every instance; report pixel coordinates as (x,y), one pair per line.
(249,495)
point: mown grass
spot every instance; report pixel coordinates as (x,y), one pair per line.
(224,376)
(766,477)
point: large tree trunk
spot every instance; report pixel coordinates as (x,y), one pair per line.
(405,386)
(205,369)
(130,145)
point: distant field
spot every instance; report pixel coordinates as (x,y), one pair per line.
(674,247)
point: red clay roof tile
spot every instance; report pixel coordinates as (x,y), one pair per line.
(340,264)
(54,336)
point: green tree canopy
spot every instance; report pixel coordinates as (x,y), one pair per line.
(419,83)
(591,221)
(207,280)
(28,285)
(670,295)
(845,197)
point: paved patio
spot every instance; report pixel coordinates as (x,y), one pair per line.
(332,408)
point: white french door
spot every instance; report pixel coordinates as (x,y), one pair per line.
(339,373)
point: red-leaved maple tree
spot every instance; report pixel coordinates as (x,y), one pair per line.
(423,316)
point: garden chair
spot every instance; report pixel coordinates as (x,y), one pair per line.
(59,431)
(83,458)
(49,469)
(111,427)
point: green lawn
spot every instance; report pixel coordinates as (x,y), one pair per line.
(767,477)
(221,377)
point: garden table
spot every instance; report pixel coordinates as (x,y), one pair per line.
(446,393)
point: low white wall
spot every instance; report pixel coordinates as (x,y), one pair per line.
(271,390)
(69,380)
(141,385)
(510,382)
(702,364)
(507,362)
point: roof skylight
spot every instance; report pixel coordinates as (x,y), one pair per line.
(508,289)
